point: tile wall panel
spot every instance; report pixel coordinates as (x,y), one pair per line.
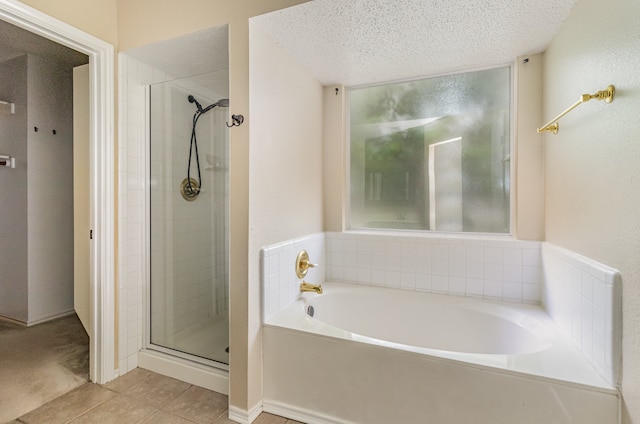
(490,268)
(133,76)
(585,298)
(280,284)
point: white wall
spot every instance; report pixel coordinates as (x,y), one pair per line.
(591,166)
(50,189)
(37,219)
(13,192)
(285,179)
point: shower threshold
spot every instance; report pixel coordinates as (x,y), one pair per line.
(195,355)
(208,339)
(193,372)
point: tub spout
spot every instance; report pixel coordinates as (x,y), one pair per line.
(308,287)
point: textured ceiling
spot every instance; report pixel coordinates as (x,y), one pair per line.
(356,42)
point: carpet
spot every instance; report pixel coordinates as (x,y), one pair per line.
(40,363)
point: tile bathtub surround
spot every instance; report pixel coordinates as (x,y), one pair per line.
(496,269)
(490,268)
(585,298)
(280,283)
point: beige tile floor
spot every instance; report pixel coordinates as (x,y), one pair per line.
(139,397)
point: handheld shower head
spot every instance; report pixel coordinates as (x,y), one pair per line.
(219,103)
(193,100)
(223,103)
(191,187)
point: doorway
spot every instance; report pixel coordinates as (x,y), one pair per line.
(102,165)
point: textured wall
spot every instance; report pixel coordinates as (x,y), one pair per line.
(591,166)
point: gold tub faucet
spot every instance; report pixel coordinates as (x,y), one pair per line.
(308,287)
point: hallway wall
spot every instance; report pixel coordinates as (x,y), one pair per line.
(50,189)
(13,191)
(38,246)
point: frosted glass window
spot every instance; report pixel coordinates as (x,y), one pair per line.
(432,154)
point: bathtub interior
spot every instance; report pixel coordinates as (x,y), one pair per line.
(545,354)
(437,322)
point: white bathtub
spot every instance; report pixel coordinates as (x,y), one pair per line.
(373,355)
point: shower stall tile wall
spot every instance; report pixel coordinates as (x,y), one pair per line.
(585,298)
(133,75)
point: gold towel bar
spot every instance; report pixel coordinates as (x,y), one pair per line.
(606,95)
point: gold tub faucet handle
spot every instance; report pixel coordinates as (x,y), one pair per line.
(303,264)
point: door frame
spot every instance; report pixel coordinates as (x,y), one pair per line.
(102,175)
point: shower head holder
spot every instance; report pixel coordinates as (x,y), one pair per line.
(190,189)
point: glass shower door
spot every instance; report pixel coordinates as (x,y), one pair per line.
(189,216)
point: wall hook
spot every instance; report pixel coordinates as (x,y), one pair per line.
(236,121)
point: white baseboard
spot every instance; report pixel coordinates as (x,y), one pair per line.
(299,414)
(183,370)
(48,318)
(12,320)
(244,417)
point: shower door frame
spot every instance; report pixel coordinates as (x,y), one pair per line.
(102,175)
(182,366)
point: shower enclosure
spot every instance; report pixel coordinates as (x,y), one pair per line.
(189,192)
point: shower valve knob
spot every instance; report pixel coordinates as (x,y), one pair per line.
(302,264)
